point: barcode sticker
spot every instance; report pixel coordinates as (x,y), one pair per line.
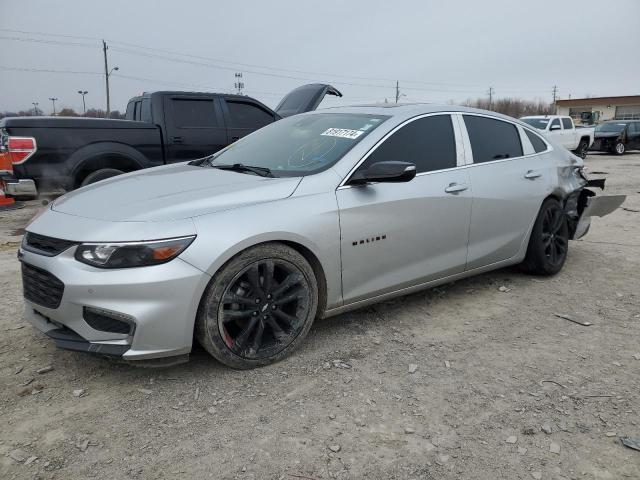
(342,133)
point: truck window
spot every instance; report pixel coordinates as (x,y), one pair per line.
(245,115)
(145,111)
(554,123)
(567,124)
(129,113)
(193,112)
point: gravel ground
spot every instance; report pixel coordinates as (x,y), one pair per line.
(466,381)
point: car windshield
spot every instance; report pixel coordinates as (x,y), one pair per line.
(539,123)
(299,145)
(610,127)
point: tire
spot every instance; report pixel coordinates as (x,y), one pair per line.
(258,307)
(549,241)
(583,148)
(101,174)
(619,148)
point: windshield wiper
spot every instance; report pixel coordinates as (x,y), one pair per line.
(240,167)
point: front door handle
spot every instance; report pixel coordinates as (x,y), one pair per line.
(177,139)
(532,174)
(456,187)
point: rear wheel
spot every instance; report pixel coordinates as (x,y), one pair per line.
(259,307)
(582,149)
(619,148)
(549,241)
(101,174)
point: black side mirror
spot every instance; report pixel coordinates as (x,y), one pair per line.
(385,172)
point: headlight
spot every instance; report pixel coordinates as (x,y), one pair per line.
(131,254)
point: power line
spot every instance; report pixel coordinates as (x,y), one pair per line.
(47,70)
(210,59)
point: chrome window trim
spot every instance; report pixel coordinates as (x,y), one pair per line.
(470,161)
(456,132)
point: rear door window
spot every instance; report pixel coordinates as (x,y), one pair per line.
(246,115)
(193,113)
(428,142)
(492,139)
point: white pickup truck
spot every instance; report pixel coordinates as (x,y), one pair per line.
(562,131)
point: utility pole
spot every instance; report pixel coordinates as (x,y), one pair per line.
(239,85)
(84,105)
(555,96)
(397,90)
(35,107)
(53,100)
(491,92)
(107,74)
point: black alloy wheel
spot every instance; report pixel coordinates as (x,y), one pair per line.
(554,236)
(549,240)
(264,309)
(258,307)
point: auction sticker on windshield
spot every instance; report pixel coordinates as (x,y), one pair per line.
(342,133)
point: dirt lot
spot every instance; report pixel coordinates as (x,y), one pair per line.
(493,369)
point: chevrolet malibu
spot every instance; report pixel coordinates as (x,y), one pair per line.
(309,217)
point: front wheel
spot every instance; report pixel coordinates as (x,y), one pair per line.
(259,307)
(549,241)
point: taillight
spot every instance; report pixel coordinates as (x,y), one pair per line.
(18,149)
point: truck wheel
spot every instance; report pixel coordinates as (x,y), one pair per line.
(258,307)
(582,149)
(619,148)
(549,241)
(101,174)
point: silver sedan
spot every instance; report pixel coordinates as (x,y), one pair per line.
(309,217)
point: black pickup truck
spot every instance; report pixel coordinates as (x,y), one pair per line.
(160,127)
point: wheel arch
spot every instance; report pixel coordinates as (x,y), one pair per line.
(103,155)
(300,244)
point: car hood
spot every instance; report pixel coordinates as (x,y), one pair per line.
(171,193)
(607,134)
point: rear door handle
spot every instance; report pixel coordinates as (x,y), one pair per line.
(177,139)
(532,174)
(456,187)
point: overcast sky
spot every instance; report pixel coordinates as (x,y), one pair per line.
(439,50)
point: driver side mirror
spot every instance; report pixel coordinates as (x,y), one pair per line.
(390,171)
(554,127)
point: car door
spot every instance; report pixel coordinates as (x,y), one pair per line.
(395,235)
(510,180)
(569,140)
(555,130)
(244,116)
(194,126)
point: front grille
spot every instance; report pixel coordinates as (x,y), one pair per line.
(41,287)
(45,245)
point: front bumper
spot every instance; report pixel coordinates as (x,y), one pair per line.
(160,300)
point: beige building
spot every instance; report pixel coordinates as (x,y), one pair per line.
(600,109)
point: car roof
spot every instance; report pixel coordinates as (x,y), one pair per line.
(403,111)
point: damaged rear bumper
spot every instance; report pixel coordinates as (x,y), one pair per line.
(584,204)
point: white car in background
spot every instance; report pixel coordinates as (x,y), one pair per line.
(562,130)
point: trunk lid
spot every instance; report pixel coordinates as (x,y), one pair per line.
(305,99)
